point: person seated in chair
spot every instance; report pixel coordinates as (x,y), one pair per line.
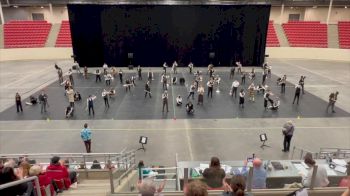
(69,111)
(275,104)
(77,96)
(178,100)
(189,108)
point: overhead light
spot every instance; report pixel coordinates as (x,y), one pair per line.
(291,7)
(346,7)
(15,6)
(42,7)
(314,6)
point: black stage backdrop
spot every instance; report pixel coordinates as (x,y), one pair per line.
(155,34)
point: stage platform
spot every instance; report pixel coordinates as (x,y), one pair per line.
(133,105)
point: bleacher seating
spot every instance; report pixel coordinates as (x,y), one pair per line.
(64,37)
(306,34)
(344,34)
(26,34)
(272,40)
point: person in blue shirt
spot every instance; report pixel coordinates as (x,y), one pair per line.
(142,167)
(85,135)
(259,175)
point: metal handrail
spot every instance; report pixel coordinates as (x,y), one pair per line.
(17,182)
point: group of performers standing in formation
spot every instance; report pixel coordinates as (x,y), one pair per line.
(195,86)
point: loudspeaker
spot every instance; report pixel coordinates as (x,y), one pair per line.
(131,67)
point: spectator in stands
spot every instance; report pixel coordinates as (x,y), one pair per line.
(44,180)
(259,175)
(196,188)
(345,182)
(96,165)
(71,172)
(141,167)
(214,175)
(24,167)
(321,179)
(236,187)
(57,172)
(8,175)
(148,188)
(10,163)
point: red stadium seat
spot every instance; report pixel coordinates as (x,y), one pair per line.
(64,36)
(344,34)
(272,40)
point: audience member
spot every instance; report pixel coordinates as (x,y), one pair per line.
(141,167)
(71,172)
(44,180)
(195,188)
(10,163)
(345,182)
(24,167)
(321,179)
(8,175)
(236,187)
(148,188)
(96,165)
(259,175)
(214,175)
(58,172)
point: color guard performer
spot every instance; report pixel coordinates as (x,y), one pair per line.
(332,99)
(164,82)
(200,94)
(148,89)
(210,85)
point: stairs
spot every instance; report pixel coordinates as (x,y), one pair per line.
(89,188)
(333,36)
(281,36)
(1,36)
(51,38)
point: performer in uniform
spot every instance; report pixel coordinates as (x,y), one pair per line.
(297,93)
(69,111)
(243,74)
(70,95)
(139,70)
(60,75)
(232,72)
(90,104)
(241,98)
(332,99)
(98,75)
(264,76)
(105,69)
(234,87)
(192,89)
(85,72)
(105,97)
(43,101)
(178,100)
(127,85)
(164,67)
(200,94)
(239,67)
(18,102)
(251,90)
(148,89)
(165,100)
(108,79)
(175,67)
(301,82)
(164,82)
(121,76)
(211,70)
(210,85)
(189,108)
(283,84)
(190,67)
(252,75)
(267,98)
(70,75)
(150,75)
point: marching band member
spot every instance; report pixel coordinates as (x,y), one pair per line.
(139,70)
(241,98)
(217,80)
(297,93)
(90,104)
(150,75)
(243,74)
(127,85)
(148,89)
(98,75)
(210,85)
(164,81)
(232,72)
(70,95)
(60,75)
(120,76)
(43,101)
(239,66)
(189,108)
(105,68)
(252,75)
(275,104)
(178,100)
(105,94)
(69,111)
(18,102)
(283,84)
(267,98)
(114,71)
(264,76)
(175,67)
(251,90)
(261,88)
(190,67)
(77,96)
(165,100)
(234,87)
(211,70)
(164,67)
(85,72)
(192,89)
(200,94)
(108,79)
(301,82)
(70,75)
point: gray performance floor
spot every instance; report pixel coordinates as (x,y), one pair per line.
(133,105)
(192,139)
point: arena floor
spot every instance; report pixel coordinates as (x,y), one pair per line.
(217,128)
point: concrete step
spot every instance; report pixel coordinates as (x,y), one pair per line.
(333,37)
(90,187)
(281,35)
(51,39)
(2,42)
